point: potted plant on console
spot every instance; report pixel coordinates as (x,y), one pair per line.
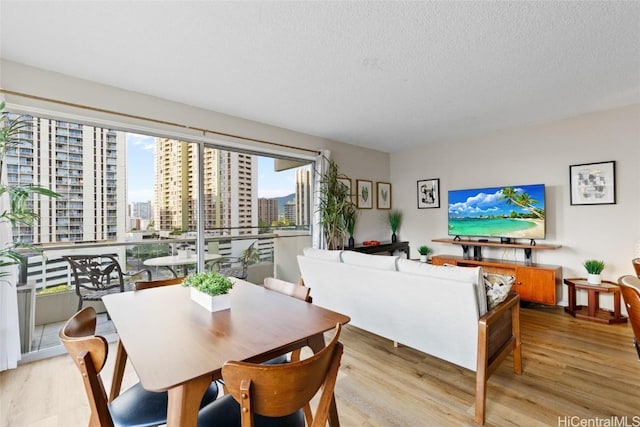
(594,267)
(350,217)
(210,290)
(424,252)
(395,218)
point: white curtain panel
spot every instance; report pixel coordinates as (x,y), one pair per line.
(9,324)
(322,164)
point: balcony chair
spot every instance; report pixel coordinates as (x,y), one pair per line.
(136,406)
(268,395)
(630,290)
(234,266)
(95,276)
(636,265)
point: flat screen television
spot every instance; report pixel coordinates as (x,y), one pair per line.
(507,212)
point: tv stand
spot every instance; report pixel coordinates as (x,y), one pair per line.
(533,282)
(479,243)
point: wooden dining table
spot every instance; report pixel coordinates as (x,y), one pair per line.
(176,345)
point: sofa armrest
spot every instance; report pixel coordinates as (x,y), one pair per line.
(498,335)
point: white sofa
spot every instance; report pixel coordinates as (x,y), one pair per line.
(439,310)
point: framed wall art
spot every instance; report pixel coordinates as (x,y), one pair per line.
(383,201)
(365,194)
(429,193)
(593,183)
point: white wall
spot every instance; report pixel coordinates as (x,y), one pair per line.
(537,154)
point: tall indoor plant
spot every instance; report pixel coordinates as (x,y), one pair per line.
(336,203)
(395,218)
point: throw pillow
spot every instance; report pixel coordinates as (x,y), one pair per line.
(497,288)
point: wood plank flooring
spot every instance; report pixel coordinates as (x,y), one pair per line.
(574,371)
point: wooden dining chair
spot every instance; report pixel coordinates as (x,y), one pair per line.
(267,395)
(146,284)
(135,406)
(636,265)
(630,290)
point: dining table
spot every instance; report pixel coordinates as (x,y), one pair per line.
(171,261)
(175,345)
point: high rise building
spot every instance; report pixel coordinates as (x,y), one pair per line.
(303,196)
(290,212)
(229,189)
(142,210)
(267,210)
(86,165)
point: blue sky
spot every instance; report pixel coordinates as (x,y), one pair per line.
(140,171)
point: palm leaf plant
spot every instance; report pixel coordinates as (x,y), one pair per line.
(335,206)
(15,200)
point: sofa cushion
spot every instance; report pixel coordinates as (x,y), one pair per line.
(322,254)
(378,262)
(451,272)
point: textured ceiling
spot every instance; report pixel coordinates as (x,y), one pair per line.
(386,75)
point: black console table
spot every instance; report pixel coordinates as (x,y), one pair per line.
(383,247)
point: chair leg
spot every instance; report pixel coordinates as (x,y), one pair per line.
(79,304)
(635,342)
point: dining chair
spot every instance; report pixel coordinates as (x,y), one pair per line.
(295,290)
(95,276)
(237,267)
(636,265)
(268,395)
(146,284)
(135,406)
(630,290)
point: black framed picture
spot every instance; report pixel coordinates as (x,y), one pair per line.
(593,183)
(429,193)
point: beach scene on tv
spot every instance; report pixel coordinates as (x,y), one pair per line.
(515,212)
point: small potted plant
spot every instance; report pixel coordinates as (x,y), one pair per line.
(350,216)
(424,252)
(594,267)
(395,218)
(210,290)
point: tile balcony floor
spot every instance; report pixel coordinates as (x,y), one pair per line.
(46,343)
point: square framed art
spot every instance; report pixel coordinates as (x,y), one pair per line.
(428,193)
(383,201)
(365,194)
(593,183)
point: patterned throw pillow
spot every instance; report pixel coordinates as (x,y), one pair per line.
(497,287)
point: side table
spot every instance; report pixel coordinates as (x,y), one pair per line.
(592,311)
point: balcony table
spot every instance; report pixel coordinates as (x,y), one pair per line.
(176,345)
(177,260)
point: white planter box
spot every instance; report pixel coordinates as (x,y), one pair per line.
(216,303)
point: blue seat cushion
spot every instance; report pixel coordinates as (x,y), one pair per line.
(225,412)
(139,407)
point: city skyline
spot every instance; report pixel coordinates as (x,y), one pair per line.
(140,172)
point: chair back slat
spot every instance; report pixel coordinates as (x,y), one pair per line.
(146,284)
(630,290)
(279,390)
(300,292)
(636,266)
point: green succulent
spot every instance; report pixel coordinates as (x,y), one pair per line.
(594,266)
(211,283)
(424,250)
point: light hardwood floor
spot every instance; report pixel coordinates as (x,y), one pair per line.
(574,371)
